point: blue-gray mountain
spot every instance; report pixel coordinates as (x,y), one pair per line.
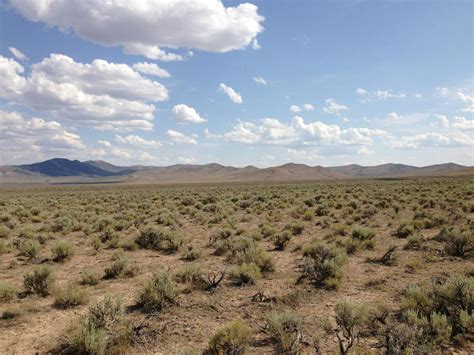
(57,169)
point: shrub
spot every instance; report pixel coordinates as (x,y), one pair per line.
(267,230)
(191,253)
(458,242)
(363,234)
(246,273)
(245,250)
(233,338)
(284,328)
(29,248)
(4,231)
(158,293)
(7,292)
(452,298)
(192,275)
(40,280)
(89,277)
(351,321)
(404,230)
(120,267)
(414,241)
(70,296)
(295,228)
(103,330)
(167,240)
(322,266)
(280,240)
(62,251)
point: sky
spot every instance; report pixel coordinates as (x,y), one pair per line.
(262,83)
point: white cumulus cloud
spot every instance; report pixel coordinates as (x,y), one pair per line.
(233,95)
(185,114)
(333,108)
(179,137)
(145,27)
(151,69)
(100,94)
(25,139)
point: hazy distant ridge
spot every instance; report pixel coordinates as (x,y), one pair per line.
(61,168)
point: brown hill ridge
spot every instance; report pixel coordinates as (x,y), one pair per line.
(66,171)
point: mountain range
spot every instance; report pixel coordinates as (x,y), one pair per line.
(60,170)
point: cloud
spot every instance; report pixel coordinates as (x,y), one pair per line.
(260,80)
(462,123)
(304,107)
(18,54)
(443,91)
(442,120)
(380,94)
(295,108)
(297,132)
(179,137)
(302,155)
(233,95)
(467,100)
(137,141)
(188,160)
(151,69)
(104,143)
(103,95)
(185,114)
(365,151)
(333,108)
(394,118)
(433,139)
(144,28)
(25,139)
(255,44)
(421,140)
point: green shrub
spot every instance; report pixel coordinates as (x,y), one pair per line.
(322,266)
(166,240)
(191,274)
(62,251)
(158,293)
(281,240)
(7,292)
(296,228)
(267,230)
(284,328)
(244,250)
(414,241)
(70,296)
(103,330)
(120,267)
(40,280)
(363,234)
(191,253)
(90,278)
(246,273)
(4,231)
(458,242)
(351,322)
(233,338)
(405,230)
(453,298)
(29,248)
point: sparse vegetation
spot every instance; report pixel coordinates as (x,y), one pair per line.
(279,256)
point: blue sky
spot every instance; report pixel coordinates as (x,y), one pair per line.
(315,82)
